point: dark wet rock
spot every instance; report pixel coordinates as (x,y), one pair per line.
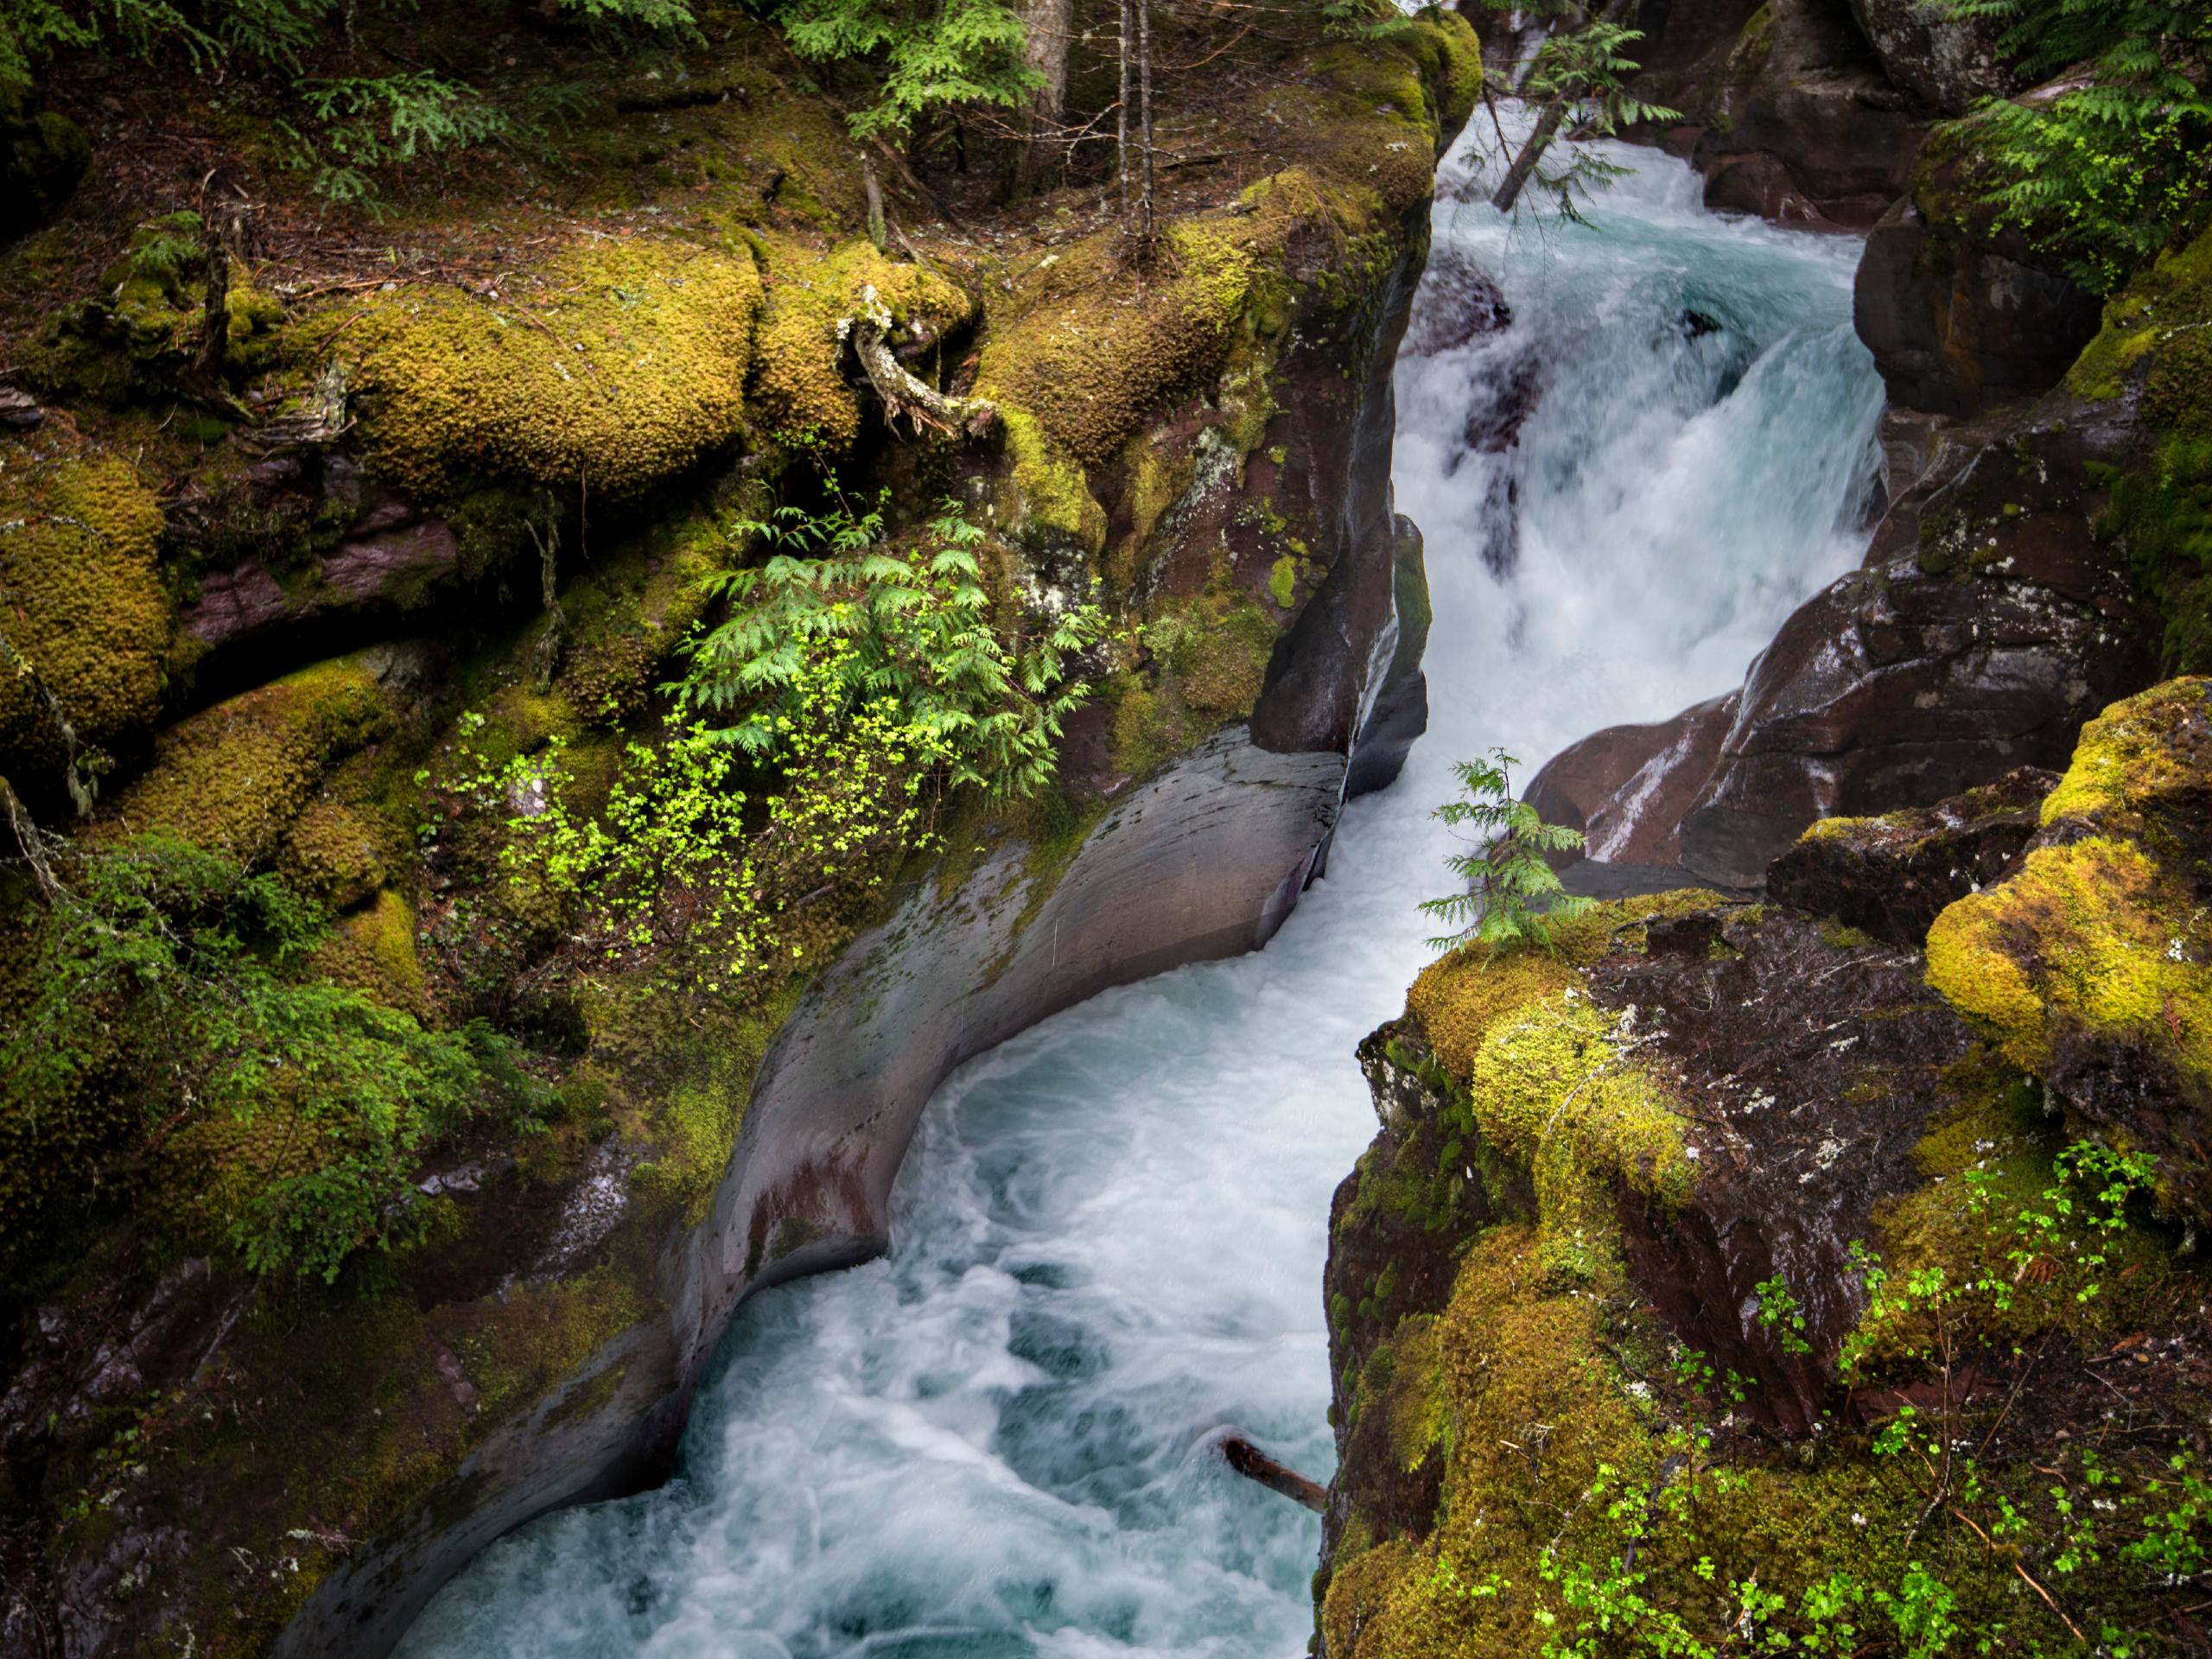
(1399,713)
(1960,315)
(1760,186)
(1947,61)
(1788,114)
(1458,302)
(1893,876)
(1815,1061)
(1898,688)
(1627,789)
(393,559)
(1939,670)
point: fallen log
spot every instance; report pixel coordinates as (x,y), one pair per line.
(1248,1461)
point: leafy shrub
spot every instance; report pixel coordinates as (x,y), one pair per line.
(833,616)
(2107,167)
(168,995)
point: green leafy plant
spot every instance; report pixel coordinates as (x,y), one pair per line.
(1511,891)
(172,994)
(1580,81)
(833,616)
(930,56)
(2105,164)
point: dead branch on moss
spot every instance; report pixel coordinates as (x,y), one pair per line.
(901,391)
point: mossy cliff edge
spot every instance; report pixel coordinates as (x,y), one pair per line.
(1728,1275)
(476,511)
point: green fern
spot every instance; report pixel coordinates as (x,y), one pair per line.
(1510,890)
(960,52)
(2107,167)
(914,627)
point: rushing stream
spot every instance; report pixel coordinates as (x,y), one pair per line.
(1109,1234)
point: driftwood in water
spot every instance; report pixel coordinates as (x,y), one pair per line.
(1246,1459)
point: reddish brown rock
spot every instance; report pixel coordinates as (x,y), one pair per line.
(1627,787)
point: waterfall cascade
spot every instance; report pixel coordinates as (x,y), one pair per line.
(1631,459)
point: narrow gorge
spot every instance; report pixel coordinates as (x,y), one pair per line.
(723,744)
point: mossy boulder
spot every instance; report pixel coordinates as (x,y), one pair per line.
(237,776)
(1644,1399)
(1961,313)
(2150,362)
(623,363)
(799,381)
(85,611)
(1892,875)
(2091,967)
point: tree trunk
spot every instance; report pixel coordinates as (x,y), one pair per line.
(1048,27)
(1122,117)
(1144,115)
(1532,151)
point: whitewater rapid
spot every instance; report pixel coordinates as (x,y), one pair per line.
(1109,1237)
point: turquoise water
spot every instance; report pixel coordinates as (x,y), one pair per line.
(1109,1238)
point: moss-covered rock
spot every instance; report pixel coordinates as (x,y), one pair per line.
(1720,1420)
(84,616)
(2091,967)
(623,364)
(799,381)
(237,776)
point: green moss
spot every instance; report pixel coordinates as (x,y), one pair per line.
(798,382)
(1460,996)
(81,603)
(624,364)
(1044,490)
(374,951)
(703,1100)
(1282,581)
(2127,757)
(336,854)
(237,776)
(1210,654)
(1551,1088)
(2090,932)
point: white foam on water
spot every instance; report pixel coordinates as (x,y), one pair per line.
(1109,1236)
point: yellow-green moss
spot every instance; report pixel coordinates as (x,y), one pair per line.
(798,382)
(2126,755)
(2164,304)
(1450,54)
(1211,655)
(335,854)
(1551,1088)
(373,950)
(235,777)
(1044,490)
(80,600)
(624,364)
(1458,997)
(701,1105)
(2091,932)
